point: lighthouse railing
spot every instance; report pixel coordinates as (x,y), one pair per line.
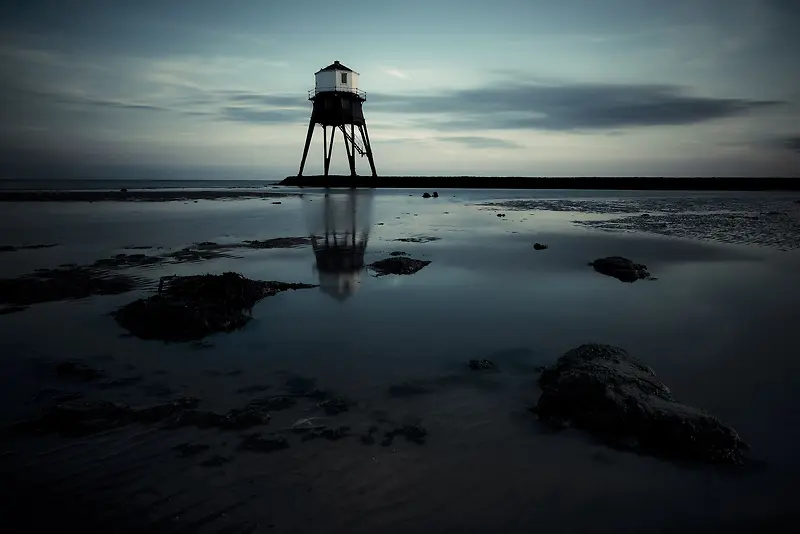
(358,92)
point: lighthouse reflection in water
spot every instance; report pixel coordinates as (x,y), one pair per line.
(339,223)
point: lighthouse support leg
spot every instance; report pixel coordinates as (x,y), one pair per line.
(347,148)
(330,151)
(325,147)
(353,151)
(308,143)
(368,147)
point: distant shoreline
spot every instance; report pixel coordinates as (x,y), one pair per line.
(523,182)
(151,195)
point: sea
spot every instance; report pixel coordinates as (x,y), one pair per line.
(717,322)
(97,184)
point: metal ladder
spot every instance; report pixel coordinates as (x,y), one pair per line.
(357,148)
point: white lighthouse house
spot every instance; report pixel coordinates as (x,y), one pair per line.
(336,78)
(338,104)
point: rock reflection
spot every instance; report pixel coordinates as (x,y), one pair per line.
(339,224)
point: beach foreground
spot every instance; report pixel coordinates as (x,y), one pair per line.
(362,404)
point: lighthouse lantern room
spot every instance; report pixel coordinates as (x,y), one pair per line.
(337,104)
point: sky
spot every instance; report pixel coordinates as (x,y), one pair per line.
(507,87)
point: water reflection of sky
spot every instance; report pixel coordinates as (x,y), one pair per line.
(715,326)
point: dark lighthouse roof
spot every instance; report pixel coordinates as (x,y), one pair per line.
(335,66)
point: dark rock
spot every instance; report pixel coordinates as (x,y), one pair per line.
(418,239)
(259,443)
(303,426)
(190,255)
(123,190)
(274,403)
(480,365)
(215,461)
(609,393)
(11,248)
(192,307)
(235,419)
(335,405)
(620,268)
(276,202)
(331,434)
(77,371)
(47,285)
(398,253)
(501,214)
(435,194)
(539,246)
(185,450)
(398,265)
(368,438)
(426,195)
(278,242)
(127,260)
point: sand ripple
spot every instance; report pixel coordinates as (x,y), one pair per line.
(761,221)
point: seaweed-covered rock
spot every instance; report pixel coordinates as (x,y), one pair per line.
(12,248)
(331,434)
(620,268)
(426,195)
(335,405)
(398,265)
(189,308)
(47,285)
(236,419)
(605,391)
(276,402)
(481,365)
(418,239)
(277,242)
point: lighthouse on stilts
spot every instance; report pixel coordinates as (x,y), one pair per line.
(338,104)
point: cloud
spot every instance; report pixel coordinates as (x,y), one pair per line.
(566,106)
(476,141)
(792,143)
(395,73)
(264,116)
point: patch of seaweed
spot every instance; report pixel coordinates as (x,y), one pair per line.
(398,265)
(47,285)
(189,308)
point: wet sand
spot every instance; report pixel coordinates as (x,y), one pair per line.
(717,326)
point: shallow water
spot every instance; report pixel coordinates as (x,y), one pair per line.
(717,326)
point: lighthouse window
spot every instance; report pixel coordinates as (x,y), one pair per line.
(344,77)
